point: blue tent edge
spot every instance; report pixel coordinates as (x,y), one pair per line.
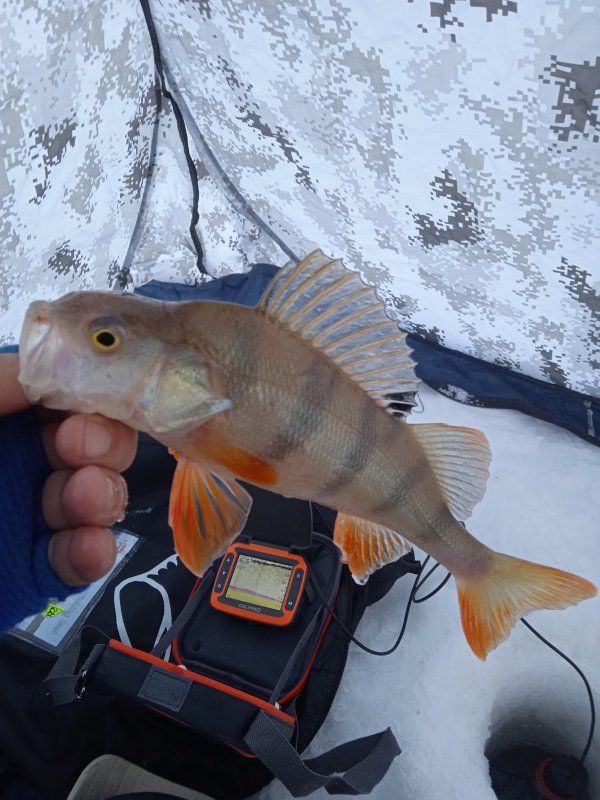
(492,386)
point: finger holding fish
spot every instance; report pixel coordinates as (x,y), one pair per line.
(87,496)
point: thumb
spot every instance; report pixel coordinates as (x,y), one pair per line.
(12,396)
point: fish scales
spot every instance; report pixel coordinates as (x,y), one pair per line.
(389,479)
(295,408)
(293,396)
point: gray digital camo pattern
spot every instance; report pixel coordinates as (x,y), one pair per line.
(448,150)
(76,115)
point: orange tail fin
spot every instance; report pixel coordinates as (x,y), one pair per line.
(490,604)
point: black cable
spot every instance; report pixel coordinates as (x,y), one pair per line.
(182,135)
(351,636)
(124,275)
(420,579)
(437,588)
(583,678)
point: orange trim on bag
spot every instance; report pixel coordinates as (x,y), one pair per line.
(221,687)
(176,653)
(295,690)
(239,751)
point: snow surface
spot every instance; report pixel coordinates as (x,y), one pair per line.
(443,704)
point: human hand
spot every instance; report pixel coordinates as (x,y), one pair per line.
(84,494)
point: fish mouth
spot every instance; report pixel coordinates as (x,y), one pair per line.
(56,373)
(40,354)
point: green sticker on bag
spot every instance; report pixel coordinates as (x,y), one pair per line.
(52,610)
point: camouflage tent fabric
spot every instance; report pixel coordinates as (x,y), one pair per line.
(449,150)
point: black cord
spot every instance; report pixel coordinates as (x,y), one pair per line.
(420,579)
(583,678)
(351,636)
(182,135)
(124,275)
(425,578)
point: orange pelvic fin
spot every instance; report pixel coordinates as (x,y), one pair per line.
(366,546)
(247,466)
(491,604)
(214,445)
(206,513)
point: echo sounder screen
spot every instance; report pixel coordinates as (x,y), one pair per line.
(258,581)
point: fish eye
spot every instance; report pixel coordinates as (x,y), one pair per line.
(106,339)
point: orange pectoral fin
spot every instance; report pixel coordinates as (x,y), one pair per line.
(206,513)
(367,546)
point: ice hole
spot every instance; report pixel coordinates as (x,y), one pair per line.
(553,716)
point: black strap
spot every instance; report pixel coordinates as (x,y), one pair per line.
(184,617)
(299,650)
(64,681)
(362,763)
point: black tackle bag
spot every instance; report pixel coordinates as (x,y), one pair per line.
(146,669)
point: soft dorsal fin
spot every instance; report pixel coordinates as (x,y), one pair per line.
(460,458)
(330,307)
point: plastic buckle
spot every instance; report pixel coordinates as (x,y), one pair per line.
(80,686)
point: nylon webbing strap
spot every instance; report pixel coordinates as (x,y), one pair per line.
(298,650)
(183,618)
(360,764)
(64,683)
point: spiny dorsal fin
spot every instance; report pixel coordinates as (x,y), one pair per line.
(460,458)
(330,307)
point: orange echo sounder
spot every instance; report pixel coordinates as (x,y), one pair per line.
(259,583)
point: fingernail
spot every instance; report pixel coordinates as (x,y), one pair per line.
(109,557)
(117,494)
(96,440)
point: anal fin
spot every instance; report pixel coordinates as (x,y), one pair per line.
(367,546)
(206,513)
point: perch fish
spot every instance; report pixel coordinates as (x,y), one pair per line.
(294,396)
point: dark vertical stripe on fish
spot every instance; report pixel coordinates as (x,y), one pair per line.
(358,455)
(406,491)
(403,486)
(307,412)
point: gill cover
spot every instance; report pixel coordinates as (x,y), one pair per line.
(181,391)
